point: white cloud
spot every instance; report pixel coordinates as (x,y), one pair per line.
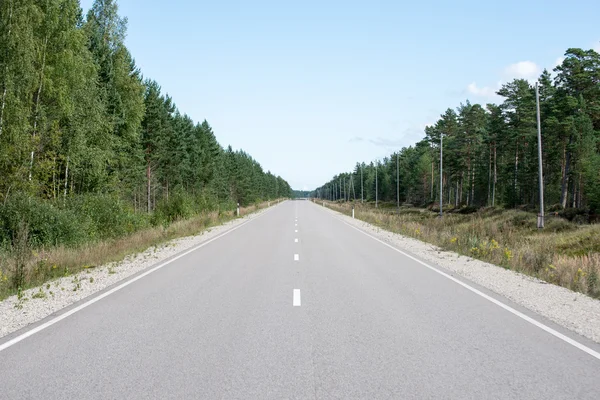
(386,142)
(484,91)
(597,47)
(558,62)
(522,70)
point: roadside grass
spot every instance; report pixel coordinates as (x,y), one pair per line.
(40,265)
(564,253)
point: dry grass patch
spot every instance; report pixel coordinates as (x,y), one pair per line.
(40,265)
(564,253)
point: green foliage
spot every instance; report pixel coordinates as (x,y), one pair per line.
(491,154)
(106,216)
(48,224)
(88,150)
(177,206)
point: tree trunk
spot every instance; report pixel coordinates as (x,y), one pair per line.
(66,179)
(456,195)
(495,178)
(148,180)
(460,190)
(4,83)
(37,103)
(432,178)
(54,178)
(472,186)
(516,175)
(2,107)
(579,191)
(468,174)
(489,191)
(564,188)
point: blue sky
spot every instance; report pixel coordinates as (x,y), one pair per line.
(310,87)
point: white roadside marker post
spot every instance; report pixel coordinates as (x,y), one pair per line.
(238,209)
(353,211)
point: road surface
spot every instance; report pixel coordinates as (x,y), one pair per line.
(296,304)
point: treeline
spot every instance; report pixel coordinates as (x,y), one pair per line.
(490,153)
(78,120)
(301,193)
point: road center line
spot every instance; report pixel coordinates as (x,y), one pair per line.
(296,240)
(296,257)
(296,300)
(296,231)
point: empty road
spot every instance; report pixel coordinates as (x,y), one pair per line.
(296,304)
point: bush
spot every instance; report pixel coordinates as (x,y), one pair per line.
(468,210)
(106,216)
(48,224)
(554,208)
(523,219)
(572,213)
(558,225)
(178,206)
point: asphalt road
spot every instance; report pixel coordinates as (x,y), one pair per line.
(241,318)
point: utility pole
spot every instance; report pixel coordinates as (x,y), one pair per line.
(362,197)
(540,222)
(441,174)
(376,187)
(398,179)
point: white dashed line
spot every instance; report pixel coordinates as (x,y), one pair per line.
(296,231)
(296,300)
(296,240)
(296,257)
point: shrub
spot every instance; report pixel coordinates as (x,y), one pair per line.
(558,225)
(106,216)
(554,207)
(178,206)
(569,213)
(468,210)
(47,223)
(523,219)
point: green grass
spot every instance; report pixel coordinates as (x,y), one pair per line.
(564,253)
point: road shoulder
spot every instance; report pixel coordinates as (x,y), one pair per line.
(571,310)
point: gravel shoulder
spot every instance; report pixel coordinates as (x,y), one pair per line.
(38,303)
(574,311)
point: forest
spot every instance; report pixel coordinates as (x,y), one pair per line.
(490,153)
(89,147)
